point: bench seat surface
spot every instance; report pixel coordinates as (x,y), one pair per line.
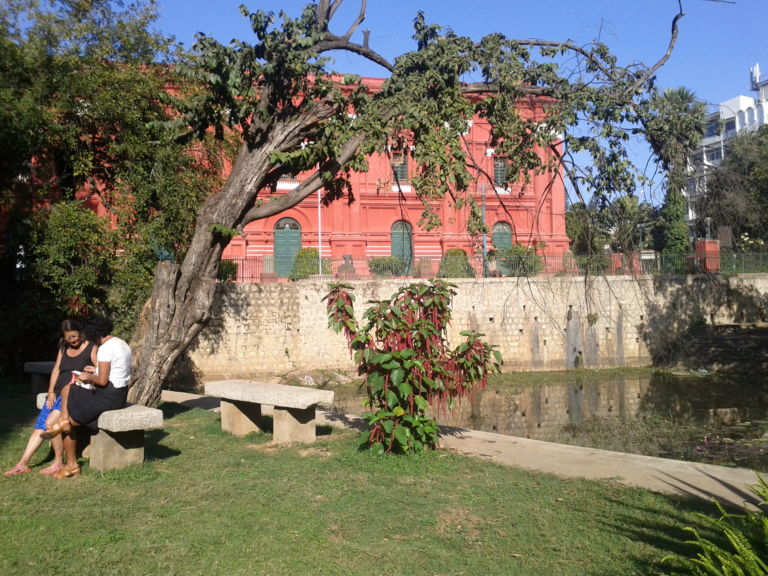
(280,395)
(132,417)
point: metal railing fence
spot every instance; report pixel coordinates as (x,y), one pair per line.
(272,269)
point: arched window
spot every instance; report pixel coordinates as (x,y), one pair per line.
(402,243)
(287,243)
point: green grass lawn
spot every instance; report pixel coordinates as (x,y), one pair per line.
(207,503)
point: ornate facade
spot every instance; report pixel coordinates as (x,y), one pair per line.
(383,219)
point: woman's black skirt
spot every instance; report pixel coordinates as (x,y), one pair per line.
(85,406)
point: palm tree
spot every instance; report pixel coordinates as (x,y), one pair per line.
(674,133)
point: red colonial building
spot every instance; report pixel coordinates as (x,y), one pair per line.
(383,220)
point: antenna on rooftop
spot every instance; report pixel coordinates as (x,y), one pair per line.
(754,76)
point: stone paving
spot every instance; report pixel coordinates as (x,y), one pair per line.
(731,486)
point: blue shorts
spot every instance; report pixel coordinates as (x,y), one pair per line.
(45,412)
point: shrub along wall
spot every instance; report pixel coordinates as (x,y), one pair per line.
(542,323)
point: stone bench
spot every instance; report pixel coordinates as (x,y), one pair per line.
(293,415)
(120,439)
(40,373)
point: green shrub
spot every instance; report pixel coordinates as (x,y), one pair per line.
(401,349)
(227,271)
(519,260)
(386,266)
(593,264)
(306,264)
(74,252)
(455,264)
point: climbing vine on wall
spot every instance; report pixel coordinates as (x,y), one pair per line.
(401,349)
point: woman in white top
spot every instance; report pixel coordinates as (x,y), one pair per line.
(97,390)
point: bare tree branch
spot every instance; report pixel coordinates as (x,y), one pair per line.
(672,41)
(332,42)
(324,14)
(357,22)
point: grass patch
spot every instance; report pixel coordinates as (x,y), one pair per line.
(209,503)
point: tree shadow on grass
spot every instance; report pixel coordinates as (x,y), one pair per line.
(17,410)
(345,421)
(173,409)
(662,528)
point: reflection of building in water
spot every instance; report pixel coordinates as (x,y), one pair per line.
(538,412)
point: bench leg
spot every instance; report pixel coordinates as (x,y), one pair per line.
(240,418)
(293,425)
(114,450)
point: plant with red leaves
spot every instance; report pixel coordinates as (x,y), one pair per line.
(402,350)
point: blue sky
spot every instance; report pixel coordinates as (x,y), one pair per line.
(718,41)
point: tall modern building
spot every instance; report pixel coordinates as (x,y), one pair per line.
(736,115)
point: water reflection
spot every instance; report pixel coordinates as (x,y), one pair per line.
(542,411)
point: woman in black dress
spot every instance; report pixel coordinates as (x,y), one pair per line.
(100,387)
(75,353)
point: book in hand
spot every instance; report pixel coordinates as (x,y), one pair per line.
(77,382)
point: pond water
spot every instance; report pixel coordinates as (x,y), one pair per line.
(707,417)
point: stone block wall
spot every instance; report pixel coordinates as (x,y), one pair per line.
(543,323)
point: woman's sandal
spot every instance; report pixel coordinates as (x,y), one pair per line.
(67,472)
(57,428)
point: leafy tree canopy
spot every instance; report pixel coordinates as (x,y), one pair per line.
(737,190)
(104,127)
(293,116)
(86,126)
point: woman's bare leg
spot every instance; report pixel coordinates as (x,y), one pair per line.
(56,444)
(34,442)
(70,449)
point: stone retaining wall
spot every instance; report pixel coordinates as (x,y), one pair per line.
(537,323)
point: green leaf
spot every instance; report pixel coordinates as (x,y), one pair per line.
(402,435)
(396,378)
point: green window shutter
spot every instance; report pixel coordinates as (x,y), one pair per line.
(500,171)
(287,243)
(501,238)
(400,166)
(402,243)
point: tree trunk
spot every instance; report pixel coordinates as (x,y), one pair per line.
(174,320)
(183,294)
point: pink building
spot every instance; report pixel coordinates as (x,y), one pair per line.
(383,220)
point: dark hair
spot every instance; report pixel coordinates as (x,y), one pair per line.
(99,326)
(70,325)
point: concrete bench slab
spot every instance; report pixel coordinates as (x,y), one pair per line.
(293,415)
(132,417)
(120,440)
